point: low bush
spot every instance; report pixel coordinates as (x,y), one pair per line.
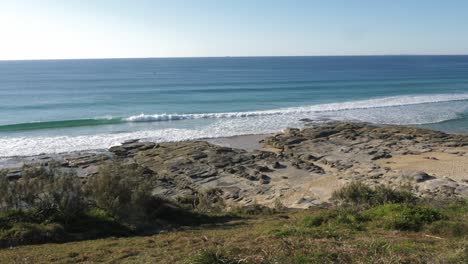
(325,223)
(403,216)
(315,220)
(54,194)
(18,227)
(32,233)
(95,223)
(121,190)
(126,194)
(338,218)
(361,196)
(205,201)
(11,217)
(344,222)
(49,205)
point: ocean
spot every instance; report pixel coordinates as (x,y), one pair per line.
(69,105)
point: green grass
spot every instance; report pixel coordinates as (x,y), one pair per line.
(379,225)
(344,223)
(403,216)
(315,236)
(20,227)
(358,195)
(30,233)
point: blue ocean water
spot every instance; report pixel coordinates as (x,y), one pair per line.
(67,105)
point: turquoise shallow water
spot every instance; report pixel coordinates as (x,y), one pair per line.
(57,106)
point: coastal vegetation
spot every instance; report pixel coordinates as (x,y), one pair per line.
(48,205)
(363,224)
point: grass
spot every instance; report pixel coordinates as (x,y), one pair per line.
(316,236)
(403,216)
(23,227)
(359,195)
(20,227)
(367,225)
(25,233)
(48,205)
(213,257)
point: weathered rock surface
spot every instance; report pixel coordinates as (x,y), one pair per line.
(299,167)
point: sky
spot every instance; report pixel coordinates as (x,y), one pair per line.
(70,29)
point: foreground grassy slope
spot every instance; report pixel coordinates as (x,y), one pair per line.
(114,218)
(317,236)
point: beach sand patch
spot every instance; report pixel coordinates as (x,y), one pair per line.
(452,164)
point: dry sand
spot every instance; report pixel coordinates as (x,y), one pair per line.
(436,163)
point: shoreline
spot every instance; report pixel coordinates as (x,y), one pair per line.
(302,167)
(248,142)
(235,139)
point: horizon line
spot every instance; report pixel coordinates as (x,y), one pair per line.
(228,56)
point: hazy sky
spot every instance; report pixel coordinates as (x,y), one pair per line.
(51,29)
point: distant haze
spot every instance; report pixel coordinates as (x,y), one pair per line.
(52,29)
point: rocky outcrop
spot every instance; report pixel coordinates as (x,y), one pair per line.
(299,167)
(129,148)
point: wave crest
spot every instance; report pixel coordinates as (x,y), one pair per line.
(393,101)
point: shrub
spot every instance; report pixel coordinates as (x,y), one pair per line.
(26,192)
(359,195)
(65,198)
(403,216)
(278,205)
(112,187)
(31,233)
(315,220)
(40,172)
(351,219)
(209,200)
(52,193)
(96,223)
(339,218)
(384,195)
(18,227)
(126,194)
(118,202)
(11,217)
(120,190)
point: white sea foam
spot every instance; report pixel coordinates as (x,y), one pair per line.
(26,146)
(403,110)
(393,101)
